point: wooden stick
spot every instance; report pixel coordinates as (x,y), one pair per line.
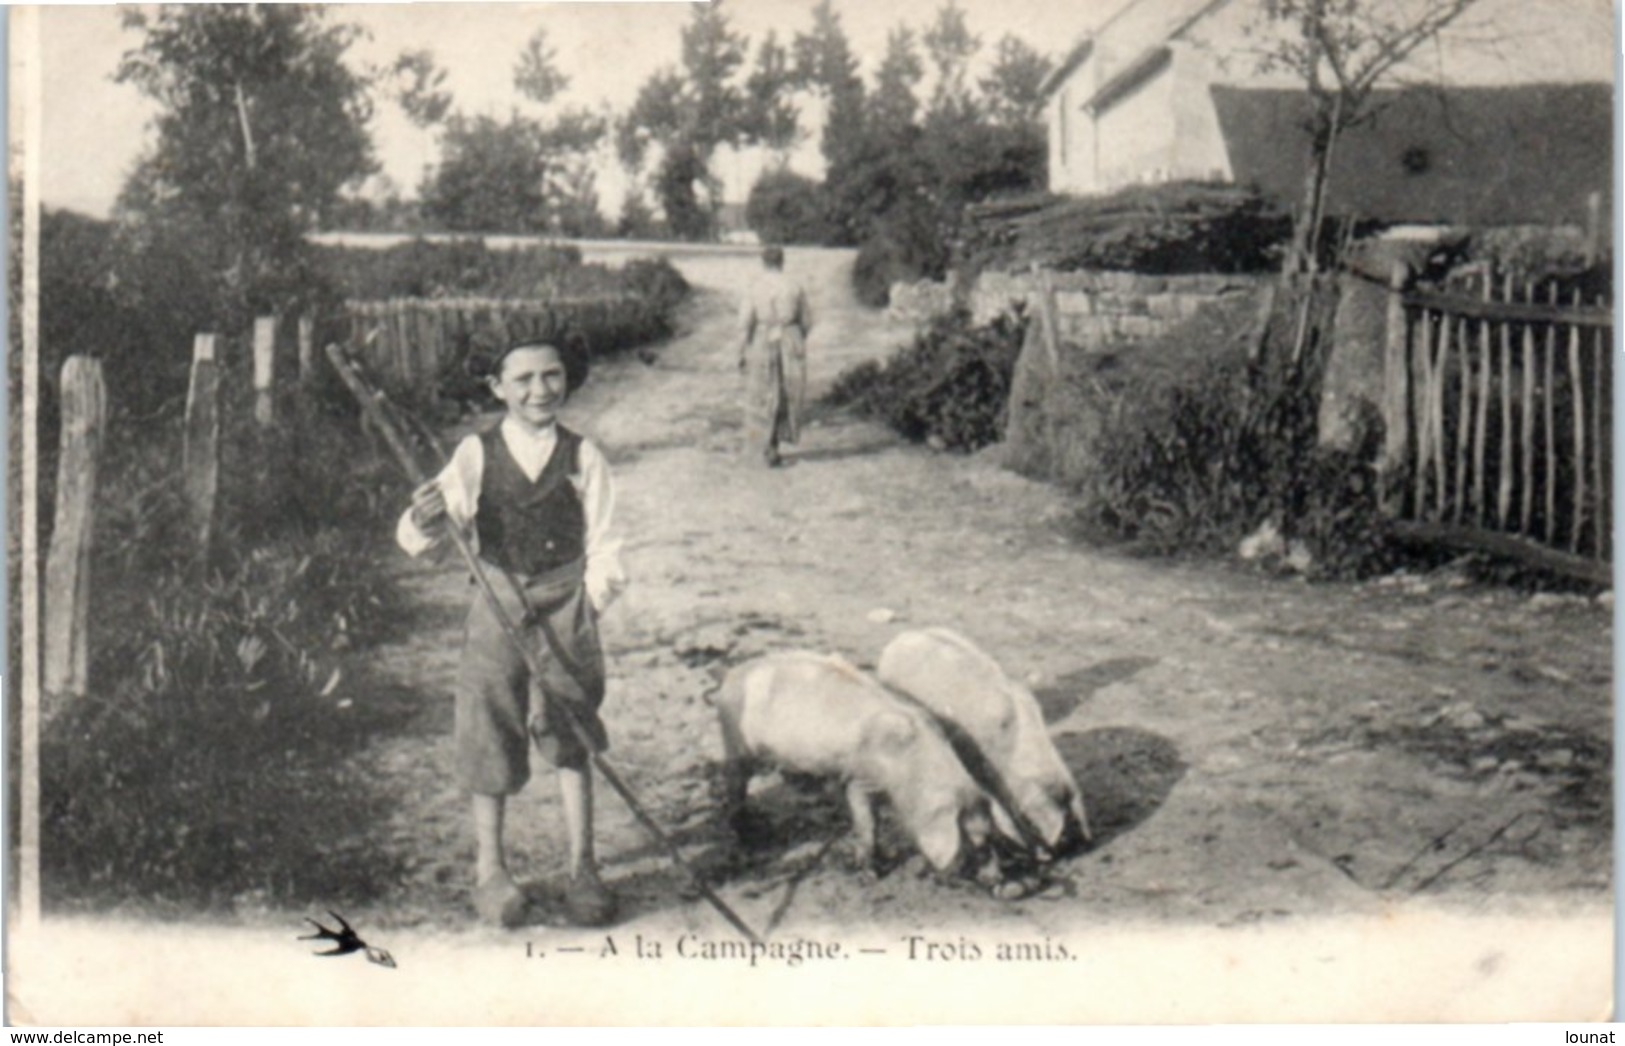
(1600,447)
(1440,365)
(1396,392)
(1422,404)
(1527,423)
(371,401)
(67,567)
(1503,494)
(1551,422)
(1464,422)
(1486,351)
(307,349)
(1526,550)
(1576,383)
(264,369)
(200,446)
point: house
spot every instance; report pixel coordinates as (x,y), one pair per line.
(1519,133)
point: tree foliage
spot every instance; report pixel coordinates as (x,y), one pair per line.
(785,207)
(825,65)
(688,114)
(537,75)
(1341,50)
(418,85)
(261,126)
(950,46)
(770,117)
(526,174)
(1012,88)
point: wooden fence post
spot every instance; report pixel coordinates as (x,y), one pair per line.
(1396,373)
(307,350)
(67,568)
(264,369)
(200,450)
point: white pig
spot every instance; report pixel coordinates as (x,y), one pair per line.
(950,675)
(817,714)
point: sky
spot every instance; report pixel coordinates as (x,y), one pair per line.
(94,129)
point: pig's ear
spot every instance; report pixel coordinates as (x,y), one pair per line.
(892,731)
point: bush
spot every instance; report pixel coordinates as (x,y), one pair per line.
(908,246)
(206,760)
(1201,443)
(785,207)
(951,386)
(454,269)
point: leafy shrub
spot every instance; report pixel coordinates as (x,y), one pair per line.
(907,246)
(785,207)
(205,761)
(951,386)
(1202,441)
(455,269)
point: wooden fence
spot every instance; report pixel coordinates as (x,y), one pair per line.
(1499,413)
(410,343)
(84,416)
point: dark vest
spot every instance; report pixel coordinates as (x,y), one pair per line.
(530,528)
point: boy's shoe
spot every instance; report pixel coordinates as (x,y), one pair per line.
(587,901)
(500,902)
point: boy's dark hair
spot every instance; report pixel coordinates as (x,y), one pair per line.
(572,350)
(773,256)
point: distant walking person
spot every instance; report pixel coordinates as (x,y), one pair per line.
(773,323)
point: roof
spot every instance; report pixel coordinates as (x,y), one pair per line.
(1137,72)
(1178,16)
(1076,57)
(1456,155)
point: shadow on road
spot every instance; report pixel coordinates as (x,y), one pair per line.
(1069,691)
(1125,775)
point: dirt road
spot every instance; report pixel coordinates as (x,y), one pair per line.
(1252,749)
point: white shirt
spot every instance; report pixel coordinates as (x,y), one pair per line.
(460,484)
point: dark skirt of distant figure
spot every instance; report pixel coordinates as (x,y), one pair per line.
(774,321)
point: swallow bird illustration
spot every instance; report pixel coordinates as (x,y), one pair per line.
(346,940)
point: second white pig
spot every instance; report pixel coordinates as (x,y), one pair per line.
(954,678)
(819,714)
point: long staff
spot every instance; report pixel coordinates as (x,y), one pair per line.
(373,403)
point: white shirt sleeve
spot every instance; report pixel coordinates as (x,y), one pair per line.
(460,485)
(605,577)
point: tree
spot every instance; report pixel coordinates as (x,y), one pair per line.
(491,177)
(950,46)
(261,126)
(893,105)
(688,115)
(417,84)
(770,119)
(785,207)
(824,64)
(1011,90)
(537,75)
(523,175)
(1341,50)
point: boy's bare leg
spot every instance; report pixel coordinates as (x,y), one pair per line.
(489,860)
(575,793)
(497,898)
(585,898)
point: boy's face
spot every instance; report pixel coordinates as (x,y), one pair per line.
(532,385)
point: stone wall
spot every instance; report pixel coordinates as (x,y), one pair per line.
(1052,426)
(1102,308)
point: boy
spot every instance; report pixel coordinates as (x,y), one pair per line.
(535,499)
